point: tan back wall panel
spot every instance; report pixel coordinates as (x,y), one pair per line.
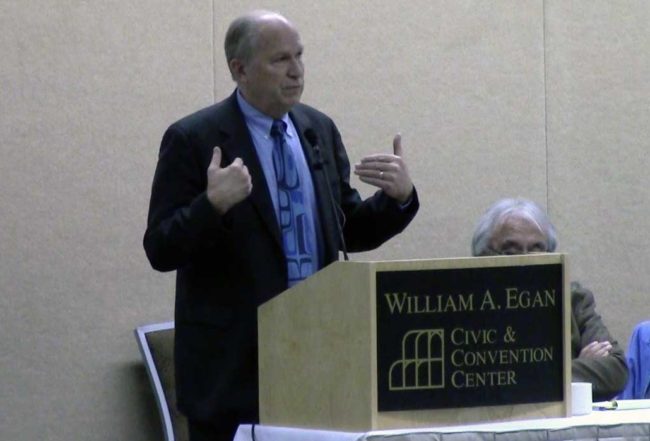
(543,99)
(598,75)
(86,90)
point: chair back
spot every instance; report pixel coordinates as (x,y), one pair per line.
(156,343)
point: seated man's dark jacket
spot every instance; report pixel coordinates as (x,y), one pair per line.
(228,265)
(607,375)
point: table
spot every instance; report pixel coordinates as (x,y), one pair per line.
(599,425)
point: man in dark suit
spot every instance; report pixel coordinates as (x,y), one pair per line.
(520,226)
(246,201)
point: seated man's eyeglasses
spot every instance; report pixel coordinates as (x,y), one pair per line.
(514,249)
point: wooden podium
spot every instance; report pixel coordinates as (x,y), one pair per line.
(380,345)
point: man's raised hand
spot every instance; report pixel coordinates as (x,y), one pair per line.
(229,185)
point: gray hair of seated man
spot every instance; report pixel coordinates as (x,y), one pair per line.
(491,218)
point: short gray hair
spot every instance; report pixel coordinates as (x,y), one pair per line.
(241,36)
(494,214)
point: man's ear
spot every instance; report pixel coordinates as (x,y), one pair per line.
(237,69)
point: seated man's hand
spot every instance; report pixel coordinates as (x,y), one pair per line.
(596,349)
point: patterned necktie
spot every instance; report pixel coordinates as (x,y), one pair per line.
(298,248)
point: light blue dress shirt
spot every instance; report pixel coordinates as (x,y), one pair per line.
(259,126)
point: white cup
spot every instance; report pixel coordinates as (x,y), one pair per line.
(581,399)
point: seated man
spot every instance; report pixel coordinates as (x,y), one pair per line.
(519,226)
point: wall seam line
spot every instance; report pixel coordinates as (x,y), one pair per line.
(548,208)
(214,61)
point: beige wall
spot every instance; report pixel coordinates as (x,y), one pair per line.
(544,99)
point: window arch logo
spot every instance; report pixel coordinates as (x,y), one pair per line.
(422,365)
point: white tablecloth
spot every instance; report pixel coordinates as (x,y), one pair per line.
(611,424)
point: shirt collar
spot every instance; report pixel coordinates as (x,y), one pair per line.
(257,120)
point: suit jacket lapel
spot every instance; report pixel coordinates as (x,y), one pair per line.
(240,144)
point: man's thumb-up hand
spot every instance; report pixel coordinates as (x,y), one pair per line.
(216,158)
(402,185)
(397,145)
(388,172)
(229,185)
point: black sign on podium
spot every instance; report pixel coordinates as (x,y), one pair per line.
(450,338)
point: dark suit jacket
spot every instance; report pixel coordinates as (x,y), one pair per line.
(607,375)
(228,265)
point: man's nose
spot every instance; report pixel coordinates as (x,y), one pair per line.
(296,69)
